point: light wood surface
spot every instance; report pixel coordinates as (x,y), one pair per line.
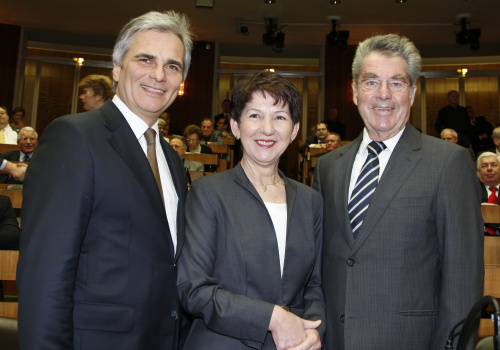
(8,266)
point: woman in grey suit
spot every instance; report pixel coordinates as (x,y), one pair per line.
(249,273)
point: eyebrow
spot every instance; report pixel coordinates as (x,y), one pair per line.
(153,57)
(375,76)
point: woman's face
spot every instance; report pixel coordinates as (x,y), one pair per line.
(90,100)
(192,140)
(18,117)
(265,129)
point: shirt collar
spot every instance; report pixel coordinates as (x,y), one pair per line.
(137,125)
(390,143)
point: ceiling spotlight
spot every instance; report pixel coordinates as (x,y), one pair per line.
(468,36)
(269,1)
(337,38)
(401,1)
(335,2)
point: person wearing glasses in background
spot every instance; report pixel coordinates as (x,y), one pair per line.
(403,239)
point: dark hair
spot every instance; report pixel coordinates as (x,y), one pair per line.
(100,84)
(268,83)
(225,122)
(193,129)
(19,109)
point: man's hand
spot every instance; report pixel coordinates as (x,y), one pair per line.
(16,170)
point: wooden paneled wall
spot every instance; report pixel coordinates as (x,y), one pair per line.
(9,46)
(338,90)
(196,103)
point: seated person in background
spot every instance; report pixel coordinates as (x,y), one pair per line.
(163,127)
(332,141)
(318,140)
(488,172)
(180,145)
(223,126)
(9,226)
(209,133)
(17,118)
(333,123)
(27,141)
(8,135)
(452,136)
(95,90)
(495,135)
(193,134)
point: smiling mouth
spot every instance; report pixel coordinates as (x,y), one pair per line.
(265,143)
(150,89)
(383,108)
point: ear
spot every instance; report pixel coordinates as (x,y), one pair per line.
(354,93)
(116,72)
(295,131)
(235,128)
(413,92)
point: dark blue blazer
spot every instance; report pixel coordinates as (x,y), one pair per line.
(97,265)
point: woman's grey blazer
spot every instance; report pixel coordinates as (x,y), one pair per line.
(229,275)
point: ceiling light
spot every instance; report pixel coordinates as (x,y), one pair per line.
(335,2)
(401,1)
(269,1)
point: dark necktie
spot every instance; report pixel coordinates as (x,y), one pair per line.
(493,199)
(26,158)
(365,186)
(150,136)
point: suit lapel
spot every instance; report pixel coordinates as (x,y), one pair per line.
(126,145)
(180,184)
(404,159)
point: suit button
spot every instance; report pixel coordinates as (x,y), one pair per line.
(350,262)
(174,314)
(342,318)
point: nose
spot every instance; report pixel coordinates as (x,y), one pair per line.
(158,73)
(384,92)
(267,127)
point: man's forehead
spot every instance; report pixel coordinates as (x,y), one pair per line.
(489,160)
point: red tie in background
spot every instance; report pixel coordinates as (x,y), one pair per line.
(493,199)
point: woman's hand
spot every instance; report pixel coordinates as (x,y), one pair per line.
(292,332)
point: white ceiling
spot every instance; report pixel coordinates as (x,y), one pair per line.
(429,23)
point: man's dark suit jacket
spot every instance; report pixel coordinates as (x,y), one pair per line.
(310,140)
(97,264)
(482,127)
(9,226)
(416,266)
(10,156)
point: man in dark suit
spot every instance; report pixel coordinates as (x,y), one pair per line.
(103,210)
(402,268)
(226,111)
(481,130)
(27,140)
(455,117)
(488,173)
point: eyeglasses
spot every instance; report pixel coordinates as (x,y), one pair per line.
(191,140)
(31,139)
(370,85)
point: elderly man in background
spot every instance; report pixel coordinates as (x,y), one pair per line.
(95,90)
(452,136)
(103,208)
(209,134)
(488,172)
(180,145)
(333,141)
(402,219)
(27,141)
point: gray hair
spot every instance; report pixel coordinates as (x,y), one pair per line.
(486,154)
(28,129)
(453,133)
(390,45)
(496,133)
(168,21)
(339,139)
(179,137)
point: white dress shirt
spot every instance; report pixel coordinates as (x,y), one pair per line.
(139,127)
(362,154)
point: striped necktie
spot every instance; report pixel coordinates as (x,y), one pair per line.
(365,186)
(2,136)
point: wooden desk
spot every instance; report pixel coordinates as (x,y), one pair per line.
(16,197)
(7,148)
(223,152)
(8,266)
(203,158)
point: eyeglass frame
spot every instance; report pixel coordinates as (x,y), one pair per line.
(192,140)
(388,81)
